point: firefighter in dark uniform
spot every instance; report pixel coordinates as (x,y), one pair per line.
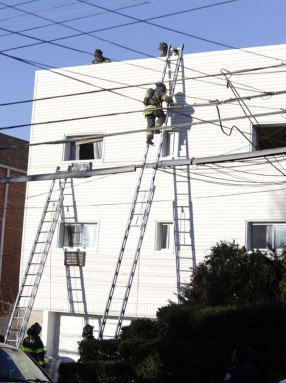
(153,109)
(98,57)
(163,48)
(33,344)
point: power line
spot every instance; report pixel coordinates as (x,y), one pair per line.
(183,33)
(52,41)
(116,26)
(22,3)
(201,121)
(38,10)
(89,33)
(141,85)
(250,115)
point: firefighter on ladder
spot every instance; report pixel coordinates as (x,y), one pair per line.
(163,48)
(153,109)
(33,344)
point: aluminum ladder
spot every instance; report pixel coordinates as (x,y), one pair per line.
(183,225)
(31,280)
(114,312)
(73,263)
(184,238)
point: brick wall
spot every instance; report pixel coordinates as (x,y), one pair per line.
(14,154)
(12,239)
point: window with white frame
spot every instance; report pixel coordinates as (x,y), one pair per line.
(84,148)
(164,235)
(75,235)
(269,136)
(268,236)
(168,144)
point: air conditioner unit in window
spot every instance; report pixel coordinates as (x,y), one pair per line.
(80,166)
(75,258)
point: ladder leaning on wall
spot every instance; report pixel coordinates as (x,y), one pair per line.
(74,260)
(31,280)
(136,225)
(52,210)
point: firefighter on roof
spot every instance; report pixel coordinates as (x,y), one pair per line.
(163,47)
(98,58)
(153,109)
(33,344)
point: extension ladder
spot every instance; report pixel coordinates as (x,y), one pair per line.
(183,223)
(184,239)
(35,266)
(136,225)
(74,260)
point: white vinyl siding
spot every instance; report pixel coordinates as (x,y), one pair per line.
(223,196)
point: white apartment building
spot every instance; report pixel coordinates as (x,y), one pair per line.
(242,201)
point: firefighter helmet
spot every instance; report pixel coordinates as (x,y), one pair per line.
(163,46)
(35,329)
(160,85)
(98,52)
(87,331)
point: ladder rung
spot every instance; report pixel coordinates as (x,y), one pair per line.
(146,204)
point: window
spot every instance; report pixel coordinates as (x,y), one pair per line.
(270,236)
(84,148)
(270,136)
(78,235)
(164,235)
(168,144)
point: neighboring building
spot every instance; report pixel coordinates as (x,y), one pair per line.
(13,162)
(242,201)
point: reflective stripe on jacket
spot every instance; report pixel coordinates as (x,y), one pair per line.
(156,103)
(35,348)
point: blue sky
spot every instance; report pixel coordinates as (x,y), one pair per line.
(241,23)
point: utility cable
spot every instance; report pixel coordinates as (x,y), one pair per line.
(118,9)
(243,105)
(201,121)
(63,46)
(141,85)
(89,33)
(22,3)
(183,33)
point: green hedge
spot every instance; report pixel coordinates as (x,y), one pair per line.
(190,344)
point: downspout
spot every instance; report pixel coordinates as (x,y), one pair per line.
(2,234)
